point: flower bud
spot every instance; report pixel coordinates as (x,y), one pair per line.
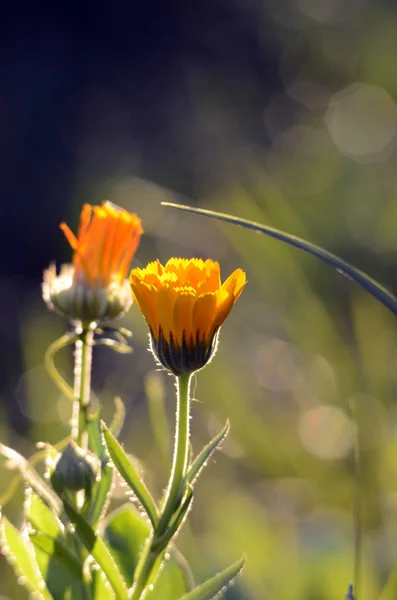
(74,470)
(94,286)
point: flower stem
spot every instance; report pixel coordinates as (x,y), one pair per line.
(82,390)
(82,382)
(152,555)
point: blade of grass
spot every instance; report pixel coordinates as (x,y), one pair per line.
(344,268)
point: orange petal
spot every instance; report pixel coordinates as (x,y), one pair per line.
(203,314)
(235,283)
(182,317)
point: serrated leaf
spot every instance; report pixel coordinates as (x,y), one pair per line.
(55,548)
(130,474)
(202,458)
(21,556)
(125,535)
(98,550)
(210,588)
(344,268)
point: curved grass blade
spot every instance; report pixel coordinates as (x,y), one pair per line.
(344,268)
(130,475)
(212,587)
(201,459)
(98,550)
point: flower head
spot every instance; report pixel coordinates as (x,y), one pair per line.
(93,287)
(184,304)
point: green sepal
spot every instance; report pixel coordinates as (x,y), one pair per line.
(125,534)
(130,474)
(344,268)
(98,550)
(20,554)
(202,458)
(212,587)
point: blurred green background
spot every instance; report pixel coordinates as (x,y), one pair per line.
(284,113)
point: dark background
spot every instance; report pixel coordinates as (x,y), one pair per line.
(283,112)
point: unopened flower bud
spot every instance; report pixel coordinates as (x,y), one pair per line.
(74,471)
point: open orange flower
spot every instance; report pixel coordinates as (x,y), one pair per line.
(94,287)
(184,304)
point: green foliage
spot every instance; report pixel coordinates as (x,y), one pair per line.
(97,549)
(210,588)
(21,556)
(201,459)
(130,474)
(126,532)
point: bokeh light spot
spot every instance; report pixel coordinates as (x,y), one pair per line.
(362,122)
(327,432)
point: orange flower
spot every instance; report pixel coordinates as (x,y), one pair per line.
(106,242)
(184,304)
(94,287)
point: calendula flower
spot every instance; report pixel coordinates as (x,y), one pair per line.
(184,304)
(94,287)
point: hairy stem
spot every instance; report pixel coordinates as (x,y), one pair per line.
(82,382)
(153,553)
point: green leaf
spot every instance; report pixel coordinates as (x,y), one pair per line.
(55,560)
(210,588)
(41,517)
(31,477)
(130,475)
(98,550)
(100,587)
(176,522)
(95,439)
(343,267)
(21,556)
(57,550)
(100,495)
(202,458)
(125,534)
